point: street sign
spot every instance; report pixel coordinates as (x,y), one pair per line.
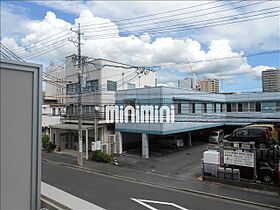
(239,158)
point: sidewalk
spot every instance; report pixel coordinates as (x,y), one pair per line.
(177,181)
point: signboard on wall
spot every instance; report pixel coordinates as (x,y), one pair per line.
(239,158)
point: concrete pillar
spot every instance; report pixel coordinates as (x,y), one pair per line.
(145,146)
(57,138)
(119,142)
(189,138)
(86,144)
(101,135)
(51,135)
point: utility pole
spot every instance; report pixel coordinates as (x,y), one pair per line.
(79,74)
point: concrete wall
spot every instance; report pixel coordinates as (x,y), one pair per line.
(20,135)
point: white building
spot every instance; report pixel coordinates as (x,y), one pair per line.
(101,79)
(55,85)
(51,115)
(186,83)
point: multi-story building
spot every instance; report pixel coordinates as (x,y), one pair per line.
(194,111)
(186,83)
(55,85)
(271,80)
(210,85)
(101,79)
(51,114)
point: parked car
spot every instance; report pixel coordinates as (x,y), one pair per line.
(216,136)
(267,172)
(272,129)
(172,143)
(259,135)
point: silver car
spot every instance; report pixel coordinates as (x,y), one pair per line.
(216,136)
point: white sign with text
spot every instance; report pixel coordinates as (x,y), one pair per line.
(239,158)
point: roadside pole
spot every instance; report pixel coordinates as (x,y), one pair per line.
(96,125)
(79,74)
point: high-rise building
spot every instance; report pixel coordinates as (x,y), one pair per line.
(210,85)
(271,80)
(186,83)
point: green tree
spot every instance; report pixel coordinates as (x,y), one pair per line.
(46,144)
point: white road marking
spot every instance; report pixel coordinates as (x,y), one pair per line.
(66,199)
(144,202)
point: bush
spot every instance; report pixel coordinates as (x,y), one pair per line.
(46,144)
(101,157)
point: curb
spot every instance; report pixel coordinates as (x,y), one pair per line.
(165,186)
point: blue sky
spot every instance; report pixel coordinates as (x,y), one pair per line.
(257,36)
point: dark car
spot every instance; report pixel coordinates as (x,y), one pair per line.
(260,136)
(267,172)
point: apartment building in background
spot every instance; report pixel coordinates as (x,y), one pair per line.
(271,80)
(210,85)
(101,79)
(55,86)
(186,83)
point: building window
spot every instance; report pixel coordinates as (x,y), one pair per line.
(233,107)
(72,88)
(130,86)
(53,111)
(193,107)
(277,106)
(258,107)
(204,107)
(111,85)
(239,107)
(59,111)
(91,85)
(252,106)
(228,107)
(178,108)
(214,107)
(245,107)
(222,107)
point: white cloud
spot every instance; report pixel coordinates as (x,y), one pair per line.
(258,35)
(13,23)
(165,51)
(257,71)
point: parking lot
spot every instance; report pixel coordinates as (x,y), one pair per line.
(180,163)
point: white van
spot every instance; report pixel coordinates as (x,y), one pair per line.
(216,136)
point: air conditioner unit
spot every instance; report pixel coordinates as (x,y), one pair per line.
(112,138)
(105,148)
(211,157)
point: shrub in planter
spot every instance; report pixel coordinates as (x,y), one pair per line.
(101,157)
(46,144)
(51,147)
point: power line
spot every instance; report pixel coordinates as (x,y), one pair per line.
(46,51)
(230,57)
(42,48)
(196,25)
(155,14)
(43,39)
(192,16)
(8,54)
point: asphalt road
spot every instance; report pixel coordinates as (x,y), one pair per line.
(116,193)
